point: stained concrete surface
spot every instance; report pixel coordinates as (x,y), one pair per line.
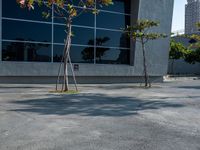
(101,117)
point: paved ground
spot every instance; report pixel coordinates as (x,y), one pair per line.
(103,117)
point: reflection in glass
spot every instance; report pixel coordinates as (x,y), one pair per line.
(80,35)
(117,39)
(113,56)
(19,51)
(11,9)
(112,21)
(58,53)
(26,31)
(122,6)
(75,53)
(88,52)
(42,32)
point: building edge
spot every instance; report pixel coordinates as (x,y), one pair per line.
(0,30)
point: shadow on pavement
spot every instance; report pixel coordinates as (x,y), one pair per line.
(190,87)
(90,105)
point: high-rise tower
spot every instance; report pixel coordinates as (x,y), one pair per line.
(192,16)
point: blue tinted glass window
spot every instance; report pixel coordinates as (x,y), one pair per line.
(122,6)
(112,21)
(112,56)
(75,3)
(108,21)
(26,31)
(85,19)
(58,53)
(79,54)
(80,36)
(113,39)
(12,10)
(19,51)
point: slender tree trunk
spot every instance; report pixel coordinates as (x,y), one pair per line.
(59,70)
(66,56)
(73,74)
(146,77)
(65,60)
(66,86)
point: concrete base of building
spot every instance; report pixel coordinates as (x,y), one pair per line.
(80,80)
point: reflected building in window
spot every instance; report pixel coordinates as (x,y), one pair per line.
(99,39)
(22,51)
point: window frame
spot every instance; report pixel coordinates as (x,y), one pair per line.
(53,24)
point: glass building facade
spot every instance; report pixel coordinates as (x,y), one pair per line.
(98,39)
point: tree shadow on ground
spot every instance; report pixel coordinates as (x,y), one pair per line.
(190,87)
(90,105)
(10,87)
(119,87)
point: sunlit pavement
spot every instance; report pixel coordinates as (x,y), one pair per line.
(101,117)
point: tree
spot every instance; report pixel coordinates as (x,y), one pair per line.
(140,33)
(177,51)
(193,55)
(65,9)
(198,25)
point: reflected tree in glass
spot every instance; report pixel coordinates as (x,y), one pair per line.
(88,53)
(192,55)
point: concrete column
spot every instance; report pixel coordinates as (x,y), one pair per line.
(134,17)
(0,30)
(158,50)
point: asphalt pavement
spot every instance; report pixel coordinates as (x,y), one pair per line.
(101,117)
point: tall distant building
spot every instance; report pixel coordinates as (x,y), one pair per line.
(192,16)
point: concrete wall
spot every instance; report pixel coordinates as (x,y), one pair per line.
(0,29)
(157,51)
(80,80)
(183,68)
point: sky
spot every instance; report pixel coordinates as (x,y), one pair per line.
(179,15)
